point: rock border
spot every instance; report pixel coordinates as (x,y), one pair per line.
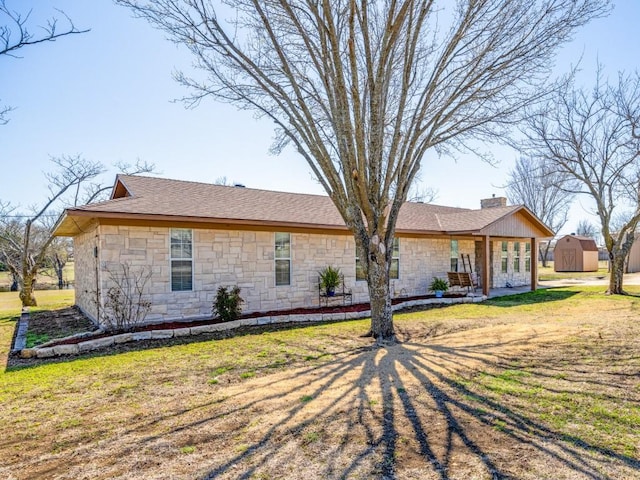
(20,339)
(44,351)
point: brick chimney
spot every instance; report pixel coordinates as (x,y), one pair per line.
(493,202)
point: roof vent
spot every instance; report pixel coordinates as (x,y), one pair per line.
(239,185)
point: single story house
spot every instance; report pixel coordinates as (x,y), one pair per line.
(575,253)
(195,237)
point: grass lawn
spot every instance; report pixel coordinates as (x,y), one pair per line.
(534,386)
(45,277)
(10,308)
(548,273)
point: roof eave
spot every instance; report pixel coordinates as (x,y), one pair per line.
(205,220)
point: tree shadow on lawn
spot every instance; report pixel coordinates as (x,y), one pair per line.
(403,411)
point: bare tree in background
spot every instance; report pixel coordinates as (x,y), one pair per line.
(25,240)
(363,89)
(587,229)
(592,136)
(533,182)
(15,34)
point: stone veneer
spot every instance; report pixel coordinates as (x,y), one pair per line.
(246,259)
(516,279)
(86,269)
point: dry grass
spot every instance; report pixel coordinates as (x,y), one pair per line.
(537,386)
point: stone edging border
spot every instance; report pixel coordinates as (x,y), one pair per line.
(43,351)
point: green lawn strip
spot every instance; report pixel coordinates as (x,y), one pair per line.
(548,273)
(10,308)
(45,276)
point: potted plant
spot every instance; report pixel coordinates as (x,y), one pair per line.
(330,279)
(439,286)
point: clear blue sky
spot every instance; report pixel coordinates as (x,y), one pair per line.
(107,95)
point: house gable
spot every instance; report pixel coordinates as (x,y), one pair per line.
(120,190)
(519,224)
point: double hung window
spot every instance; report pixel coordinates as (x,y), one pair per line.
(181,253)
(283,258)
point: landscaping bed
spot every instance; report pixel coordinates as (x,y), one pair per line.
(70,326)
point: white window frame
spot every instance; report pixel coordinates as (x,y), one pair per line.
(527,257)
(359,278)
(280,258)
(182,259)
(516,257)
(396,257)
(452,257)
(504,257)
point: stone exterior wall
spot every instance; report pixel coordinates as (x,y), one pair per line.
(515,279)
(247,259)
(85,272)
(422,259)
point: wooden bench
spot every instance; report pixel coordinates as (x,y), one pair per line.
(340,293)
(462,280)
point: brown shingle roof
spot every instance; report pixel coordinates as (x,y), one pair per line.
(151,197)
(587,244)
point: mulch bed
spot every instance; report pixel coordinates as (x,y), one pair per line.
(67,321)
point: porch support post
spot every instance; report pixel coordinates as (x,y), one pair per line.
(534,264)
(486,268)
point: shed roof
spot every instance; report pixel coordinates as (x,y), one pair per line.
(587,244)
(152,198)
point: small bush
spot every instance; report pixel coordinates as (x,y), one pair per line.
(227,305)
(125,304)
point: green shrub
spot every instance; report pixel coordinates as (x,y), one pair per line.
(439,284)
(330,278)
(227,305)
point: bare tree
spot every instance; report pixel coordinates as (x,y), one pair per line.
(10,241)
(543,190)
(15,34)
(586,229)
(422,195)
(97,191)
(363,89)
(126,303)
(591,135)
(29,240)
(26,239)
(224,181)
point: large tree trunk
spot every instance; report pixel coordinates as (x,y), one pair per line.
(380,295)
(616,275)
(619,249)
(26,291)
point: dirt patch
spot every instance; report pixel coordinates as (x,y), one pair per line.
(60,323)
